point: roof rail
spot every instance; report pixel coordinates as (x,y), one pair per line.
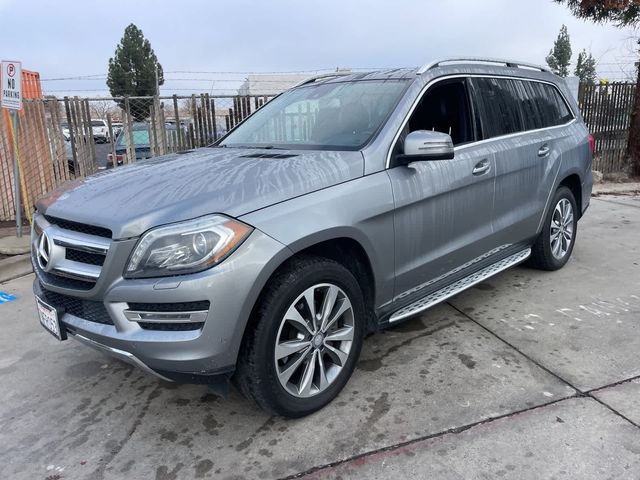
(508,63)
(322,76)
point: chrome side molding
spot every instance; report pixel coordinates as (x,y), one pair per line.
(462,284)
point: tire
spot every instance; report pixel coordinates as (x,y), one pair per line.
(545,254)
(261,376)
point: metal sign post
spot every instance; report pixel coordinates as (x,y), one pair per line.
(12,100)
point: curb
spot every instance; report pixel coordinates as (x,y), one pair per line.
(15,266)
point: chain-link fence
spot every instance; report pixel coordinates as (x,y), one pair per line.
(62,139)
(69,138)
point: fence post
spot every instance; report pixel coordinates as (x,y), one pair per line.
(114,160)
(131,149)
(178,125)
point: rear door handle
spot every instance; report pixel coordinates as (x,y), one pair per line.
(481,167)
(544,151)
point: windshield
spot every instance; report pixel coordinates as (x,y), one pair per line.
(140,138)
(97,123)
(330,116)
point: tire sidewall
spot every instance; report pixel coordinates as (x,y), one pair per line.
(284,295)
(562,192)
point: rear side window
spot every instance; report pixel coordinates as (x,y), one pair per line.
(498,105)
(542,105)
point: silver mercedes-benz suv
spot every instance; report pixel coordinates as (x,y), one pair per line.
(344,205)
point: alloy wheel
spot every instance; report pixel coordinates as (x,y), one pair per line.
(561,234)
(314,340)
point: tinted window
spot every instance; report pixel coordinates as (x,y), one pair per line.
(542,105)
(498,106)
(559,112)
(445,108)
(534,115)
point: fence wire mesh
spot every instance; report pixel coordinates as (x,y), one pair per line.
(60,139)
(72,137)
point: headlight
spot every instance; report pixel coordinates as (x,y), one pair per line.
(186,247)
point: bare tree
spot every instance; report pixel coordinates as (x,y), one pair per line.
(100,108)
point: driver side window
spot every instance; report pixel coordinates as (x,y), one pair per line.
(444,108)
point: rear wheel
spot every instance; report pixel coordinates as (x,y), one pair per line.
(554,245)
(306,339)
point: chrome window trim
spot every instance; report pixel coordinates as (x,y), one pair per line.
(478,142)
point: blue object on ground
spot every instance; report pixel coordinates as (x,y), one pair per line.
(6,297)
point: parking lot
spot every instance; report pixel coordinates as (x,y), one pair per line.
(528,375)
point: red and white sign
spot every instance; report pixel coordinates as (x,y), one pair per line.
(11,79)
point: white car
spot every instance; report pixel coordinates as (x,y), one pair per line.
(100,131)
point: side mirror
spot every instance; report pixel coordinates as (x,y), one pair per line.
(425,145)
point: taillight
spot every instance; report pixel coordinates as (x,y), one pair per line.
(592,144)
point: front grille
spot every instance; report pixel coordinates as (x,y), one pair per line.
(171,307)
(86,309)
(79,227)
(84,257)
(59,280)
(77,252)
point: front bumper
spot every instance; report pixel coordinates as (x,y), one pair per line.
(231,289)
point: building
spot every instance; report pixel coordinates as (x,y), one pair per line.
(273,84)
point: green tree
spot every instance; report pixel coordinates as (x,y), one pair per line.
(622,13)
(133,70)
(559,57)
(586,68)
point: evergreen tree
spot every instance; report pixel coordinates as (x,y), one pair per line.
(586,68)
(133,70)
(559,57)
(622,13)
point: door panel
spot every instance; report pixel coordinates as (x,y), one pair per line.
(442,215)
(526,167)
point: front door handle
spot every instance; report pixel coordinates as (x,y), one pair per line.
(481,167)
(544,150)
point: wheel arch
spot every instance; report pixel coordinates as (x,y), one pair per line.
(573,182)
(345,250)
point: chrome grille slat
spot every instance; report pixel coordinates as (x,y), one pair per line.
(56,263)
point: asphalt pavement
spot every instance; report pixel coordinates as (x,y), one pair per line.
(529,375)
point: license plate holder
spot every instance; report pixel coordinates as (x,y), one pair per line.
(50,319)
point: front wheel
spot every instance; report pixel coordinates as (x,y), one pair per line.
(554,245)
(306,339)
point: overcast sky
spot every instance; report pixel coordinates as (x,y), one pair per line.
(68,38)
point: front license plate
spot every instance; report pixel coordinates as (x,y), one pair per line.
(49,320)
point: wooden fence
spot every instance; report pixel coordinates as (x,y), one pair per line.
(41,153)
(607,112)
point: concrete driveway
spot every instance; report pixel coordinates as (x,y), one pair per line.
(529,375)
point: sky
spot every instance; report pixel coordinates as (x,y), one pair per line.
(197,41)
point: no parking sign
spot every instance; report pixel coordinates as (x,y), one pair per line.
(11,85)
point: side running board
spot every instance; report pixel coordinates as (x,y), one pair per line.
(462,284)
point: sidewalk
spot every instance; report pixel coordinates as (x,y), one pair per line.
(627,188)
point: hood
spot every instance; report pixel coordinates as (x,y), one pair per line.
(131,199)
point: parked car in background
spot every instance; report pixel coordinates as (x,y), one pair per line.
(117,128)
(141,142)
(100,131)
(268,257)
